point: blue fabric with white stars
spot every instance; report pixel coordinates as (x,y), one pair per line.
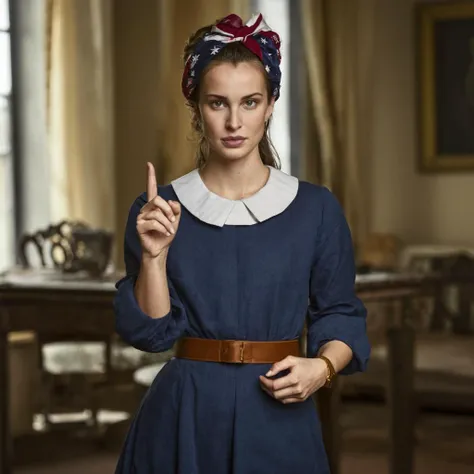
(206,51)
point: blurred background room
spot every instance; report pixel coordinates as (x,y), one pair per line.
(377,103)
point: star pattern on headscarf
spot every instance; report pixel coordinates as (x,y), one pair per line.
(254,35)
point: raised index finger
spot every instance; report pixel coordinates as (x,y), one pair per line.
(151,187)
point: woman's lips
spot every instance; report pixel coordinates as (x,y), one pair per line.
(234,142)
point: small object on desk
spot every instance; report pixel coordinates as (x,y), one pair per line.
(72,246)
(53,242)
(91,250)
(379,252)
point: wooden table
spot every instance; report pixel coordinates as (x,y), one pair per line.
(399,326)
(53,304)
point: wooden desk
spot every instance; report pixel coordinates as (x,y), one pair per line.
(52,304)
(399,326)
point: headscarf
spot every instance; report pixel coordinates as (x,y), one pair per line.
(254,35)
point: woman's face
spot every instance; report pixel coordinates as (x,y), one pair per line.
(233,105)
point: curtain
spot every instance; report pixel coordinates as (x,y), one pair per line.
(338,39)
(79,110)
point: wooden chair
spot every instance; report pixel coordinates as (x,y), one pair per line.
(444,359)
(76,369)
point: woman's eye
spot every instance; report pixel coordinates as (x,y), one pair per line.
(250,103)
(217,104)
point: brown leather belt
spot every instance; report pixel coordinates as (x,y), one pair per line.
(236,352)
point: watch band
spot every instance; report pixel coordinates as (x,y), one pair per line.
(332,372)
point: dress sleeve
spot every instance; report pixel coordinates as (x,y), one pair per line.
(131,323)
(334,311)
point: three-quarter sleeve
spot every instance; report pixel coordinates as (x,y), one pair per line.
(335,312)
(131,323)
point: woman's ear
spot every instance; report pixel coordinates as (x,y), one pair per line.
(269,110)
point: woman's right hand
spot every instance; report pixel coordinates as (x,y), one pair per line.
(158,220)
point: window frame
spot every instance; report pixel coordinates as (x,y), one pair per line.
(14,139)
(296,82)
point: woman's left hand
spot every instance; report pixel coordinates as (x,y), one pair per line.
(306,376)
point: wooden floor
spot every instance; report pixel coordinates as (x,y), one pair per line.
(445,445)
(352,464)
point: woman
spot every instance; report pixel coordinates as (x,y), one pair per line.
(222,261)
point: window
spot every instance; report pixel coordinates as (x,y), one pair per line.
(277,15)
(7,249)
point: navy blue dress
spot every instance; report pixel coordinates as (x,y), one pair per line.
(248,283)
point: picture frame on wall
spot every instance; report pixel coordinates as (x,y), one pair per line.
(445,63)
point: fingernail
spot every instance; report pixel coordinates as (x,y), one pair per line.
(172,231)
(173,219)
(269,373)
(167,234)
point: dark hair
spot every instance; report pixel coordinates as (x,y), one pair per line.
(233,53)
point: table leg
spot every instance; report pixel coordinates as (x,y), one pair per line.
(401,395)
(5,440)
(329,403)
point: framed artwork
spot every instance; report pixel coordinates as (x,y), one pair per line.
(445,63)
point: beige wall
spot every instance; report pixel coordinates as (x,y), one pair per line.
(420,208)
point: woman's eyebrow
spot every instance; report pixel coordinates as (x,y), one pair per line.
(252,95)
(225,98)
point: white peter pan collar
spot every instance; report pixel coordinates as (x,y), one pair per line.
(272,199)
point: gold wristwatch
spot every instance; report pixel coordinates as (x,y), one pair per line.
(331,372)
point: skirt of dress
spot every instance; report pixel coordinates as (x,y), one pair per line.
(214,418)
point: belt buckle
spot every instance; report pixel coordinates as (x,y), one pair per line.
(233,352)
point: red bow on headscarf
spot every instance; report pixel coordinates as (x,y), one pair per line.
(231,29)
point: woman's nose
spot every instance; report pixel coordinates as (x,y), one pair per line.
(233,120)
